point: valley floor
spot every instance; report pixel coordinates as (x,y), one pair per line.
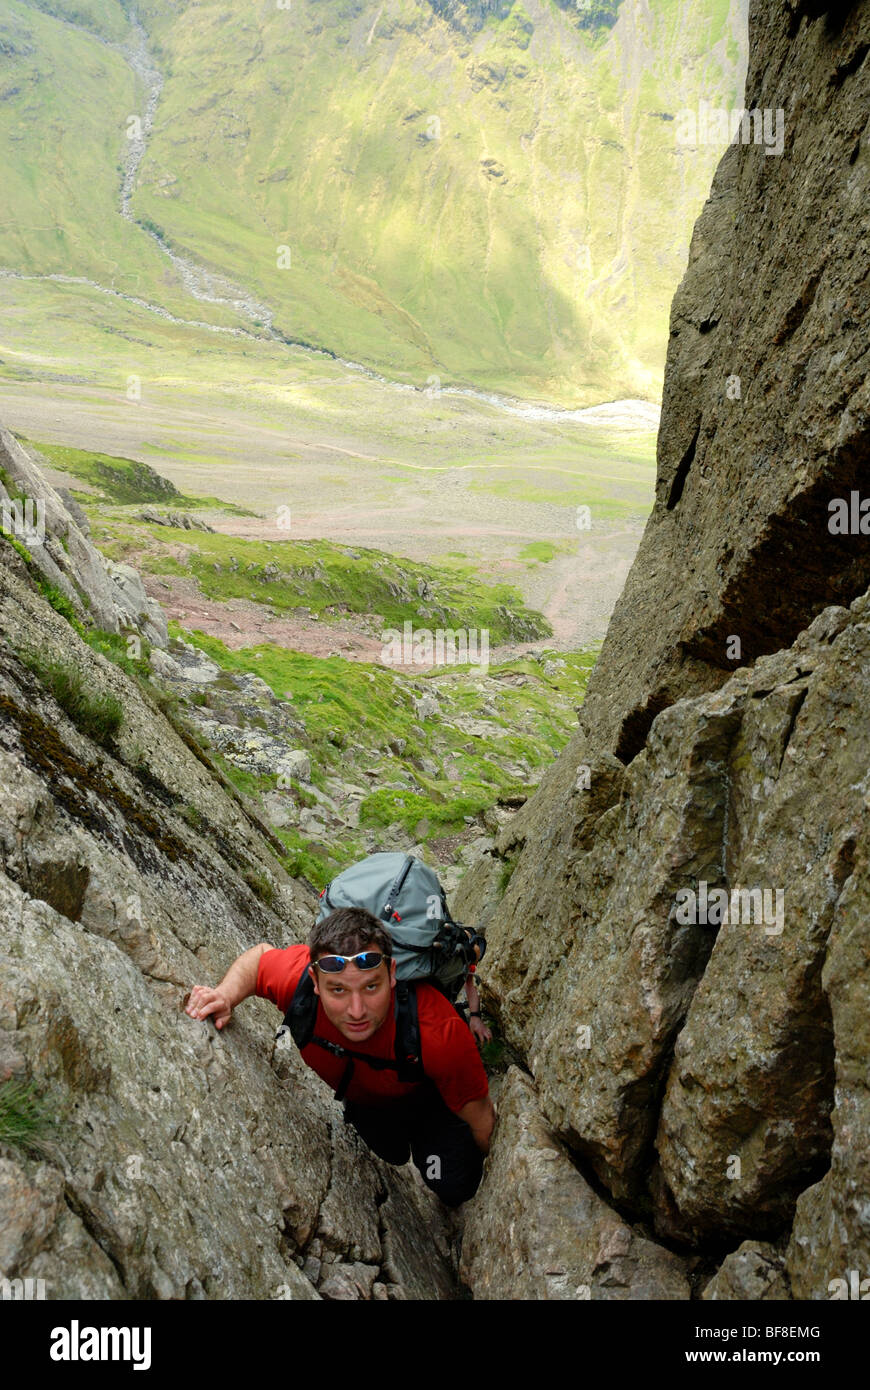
(519,485)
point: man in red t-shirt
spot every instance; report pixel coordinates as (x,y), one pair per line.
(444,1121)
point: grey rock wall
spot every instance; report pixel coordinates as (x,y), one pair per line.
(183,1162)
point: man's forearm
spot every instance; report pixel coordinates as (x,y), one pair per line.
(479,1115)
(240,981)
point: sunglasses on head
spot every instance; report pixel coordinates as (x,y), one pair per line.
(364,960)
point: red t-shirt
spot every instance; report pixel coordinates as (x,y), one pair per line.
(448,1050)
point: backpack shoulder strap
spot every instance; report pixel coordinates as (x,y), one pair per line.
(302,1013)
(408,1049)
(301,1017)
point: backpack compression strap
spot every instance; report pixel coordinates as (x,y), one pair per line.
(301,1016)
(387,909)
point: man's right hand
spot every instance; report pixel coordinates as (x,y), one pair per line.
(239,983)
(204,1003)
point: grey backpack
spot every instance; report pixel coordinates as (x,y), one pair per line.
(408,898)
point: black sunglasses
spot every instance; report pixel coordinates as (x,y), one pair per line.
(365,960)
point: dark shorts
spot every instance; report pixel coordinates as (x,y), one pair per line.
(423,1128)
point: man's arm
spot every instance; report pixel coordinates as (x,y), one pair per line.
(239,983)
(479,1115)
(478,1028)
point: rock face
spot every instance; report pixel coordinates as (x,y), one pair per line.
(133,607)
(753,1070)
(178,519)
(765,406)
(562,1241)
(831,1232)
(52,527)
(752,1272)
(184,1163)
(469,13)
(711,1069)
(710,1045)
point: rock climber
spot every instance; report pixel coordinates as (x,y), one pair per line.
(444,1118)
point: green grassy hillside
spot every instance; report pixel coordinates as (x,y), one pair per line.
(484,192)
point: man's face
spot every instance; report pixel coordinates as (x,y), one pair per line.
(356,1001)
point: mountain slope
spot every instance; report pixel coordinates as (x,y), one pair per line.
(486,193)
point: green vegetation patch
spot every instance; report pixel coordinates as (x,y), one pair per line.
(24,1117)
(409,808)
(122,481)
(12,488)
(543,551)
(115,646)
(340,701)
(313,862)
(59,602)
(432,777)
(17,547)
(331,580)
(98,716)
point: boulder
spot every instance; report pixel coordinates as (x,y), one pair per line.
(539,1231)
(295,764)
(192,665)
(753,1272)
(133,606)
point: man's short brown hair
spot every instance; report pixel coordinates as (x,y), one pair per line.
(347,931)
